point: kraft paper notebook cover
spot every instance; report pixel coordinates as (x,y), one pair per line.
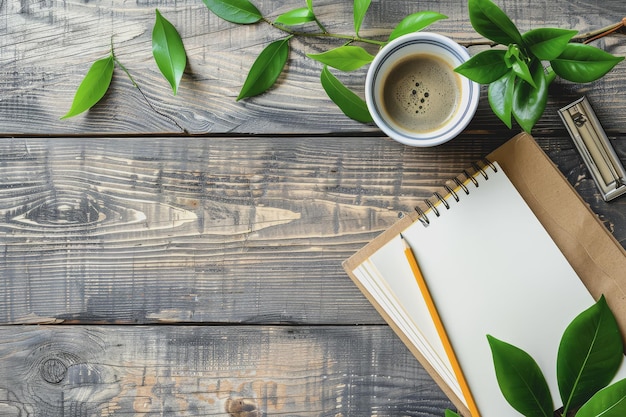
(501,260)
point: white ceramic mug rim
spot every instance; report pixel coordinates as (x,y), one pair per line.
(470,97)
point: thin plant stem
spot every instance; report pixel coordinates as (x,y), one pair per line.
(320,25)
(600,33)
(132,80)
(323,34)
(581,38)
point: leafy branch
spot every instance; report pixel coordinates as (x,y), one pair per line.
(283,24)
(518,68)
(348,57)
(169,54)
(520,72)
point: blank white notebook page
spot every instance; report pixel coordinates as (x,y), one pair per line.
(492,269)
(400,297)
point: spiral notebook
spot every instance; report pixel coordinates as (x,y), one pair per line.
(494,251)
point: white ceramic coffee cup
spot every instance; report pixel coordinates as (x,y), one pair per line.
(401,48)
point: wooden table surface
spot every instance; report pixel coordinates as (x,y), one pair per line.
(181,255)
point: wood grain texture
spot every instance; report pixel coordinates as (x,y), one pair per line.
(47,47)
(233,229)
(155,273)
(241,371)
(201,230)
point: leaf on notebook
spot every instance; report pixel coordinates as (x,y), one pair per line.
(521,381)
(608,402)
(589,356)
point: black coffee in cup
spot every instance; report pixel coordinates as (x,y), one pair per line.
(420,93)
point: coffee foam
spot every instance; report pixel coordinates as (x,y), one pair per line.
(421,93)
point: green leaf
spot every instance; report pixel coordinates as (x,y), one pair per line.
(93,87)
(235,11)
(608,402)
(582,63)
(168,51)
(589,356)
(415,22)
(529,102)
(266,68)
(350,104)
(309,5)
(547,43)
(491,22)
(485,67)
(450,413)
(360,9)
(296,17)
(515,60)
(500,94)
(521,381)
(344,58)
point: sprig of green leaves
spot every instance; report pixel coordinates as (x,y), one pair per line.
(171,58)
(169,55)
(517,77)
(590,353)
(518,81)
(589,356)
(272,60)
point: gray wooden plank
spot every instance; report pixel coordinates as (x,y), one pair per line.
(47,47)
(195,371)
(229,229)
(220,229)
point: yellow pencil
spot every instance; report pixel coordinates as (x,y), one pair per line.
(421,282)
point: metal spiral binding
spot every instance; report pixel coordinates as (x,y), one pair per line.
(432,207)
(423,217)
(479,169)
(452,193)
(491,164)
(471,178)
(460,184)
(443,200)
